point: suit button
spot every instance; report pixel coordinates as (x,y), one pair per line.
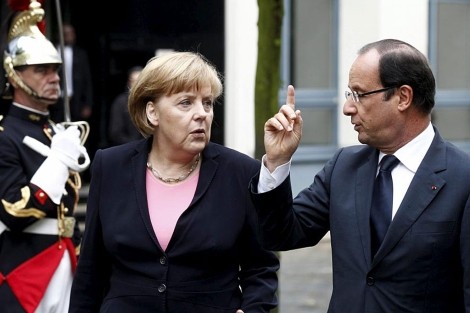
(162,288)
(370,281)
(162,260)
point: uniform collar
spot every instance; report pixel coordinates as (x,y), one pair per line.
(27,114)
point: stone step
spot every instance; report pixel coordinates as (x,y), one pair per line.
(80,215)
(81,207)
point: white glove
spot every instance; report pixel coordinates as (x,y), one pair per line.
(65,150)
(65,145)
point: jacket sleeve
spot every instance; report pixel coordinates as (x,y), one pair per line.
(258,270)
(89,282)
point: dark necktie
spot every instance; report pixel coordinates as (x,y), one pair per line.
(382,199)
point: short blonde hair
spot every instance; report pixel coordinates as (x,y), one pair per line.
(166,75)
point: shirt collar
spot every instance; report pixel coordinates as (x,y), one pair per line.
(30,109)
(411,154)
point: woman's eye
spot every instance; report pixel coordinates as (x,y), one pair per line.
(208,103)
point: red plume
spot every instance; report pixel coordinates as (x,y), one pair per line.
(22,5)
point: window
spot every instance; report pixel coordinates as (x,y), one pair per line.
(309,62)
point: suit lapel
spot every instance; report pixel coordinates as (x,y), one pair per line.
(424,187)
(209,167)
(139,170)
(364,187)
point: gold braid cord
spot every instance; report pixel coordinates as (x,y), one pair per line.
(83,127)
(66,223)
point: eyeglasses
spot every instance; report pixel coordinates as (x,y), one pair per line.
(354,95)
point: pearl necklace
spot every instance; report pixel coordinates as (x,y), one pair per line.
(173,180)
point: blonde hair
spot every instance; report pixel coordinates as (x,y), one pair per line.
(166,75)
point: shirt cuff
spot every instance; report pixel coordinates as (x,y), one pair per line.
(268,181)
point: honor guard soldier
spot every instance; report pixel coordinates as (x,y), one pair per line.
(39,176)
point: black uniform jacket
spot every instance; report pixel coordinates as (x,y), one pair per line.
(20,205)
(214,262)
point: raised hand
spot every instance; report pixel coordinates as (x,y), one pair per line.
(67,147)
(282,133)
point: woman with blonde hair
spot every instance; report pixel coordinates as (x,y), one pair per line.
(170,226)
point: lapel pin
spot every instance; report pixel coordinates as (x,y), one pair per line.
(434,187)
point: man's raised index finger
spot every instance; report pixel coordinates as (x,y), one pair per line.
(290,99)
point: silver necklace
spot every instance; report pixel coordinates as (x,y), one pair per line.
(171,180)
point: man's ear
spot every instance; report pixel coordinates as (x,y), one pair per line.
(405,93)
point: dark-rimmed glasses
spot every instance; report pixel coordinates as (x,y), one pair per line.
(354,95)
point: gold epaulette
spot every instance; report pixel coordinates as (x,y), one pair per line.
(19,209)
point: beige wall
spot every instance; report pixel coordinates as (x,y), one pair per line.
(241,46)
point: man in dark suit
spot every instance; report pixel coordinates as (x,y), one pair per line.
(121,128)
(423,262)
(78,86)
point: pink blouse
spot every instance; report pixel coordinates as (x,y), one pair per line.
(167,202)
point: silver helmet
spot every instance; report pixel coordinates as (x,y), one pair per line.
(30,50)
